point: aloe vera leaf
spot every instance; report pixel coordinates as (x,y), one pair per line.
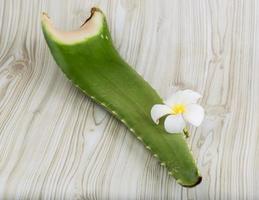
(88,58)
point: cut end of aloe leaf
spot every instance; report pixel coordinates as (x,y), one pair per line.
(89,28)
(89,59)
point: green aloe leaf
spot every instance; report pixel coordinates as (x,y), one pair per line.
(88,58)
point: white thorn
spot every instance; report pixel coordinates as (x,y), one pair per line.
(106,37)
(139,138)
(123,121)
(132,130)
(162,164)
(102,36)
(148,147)
(155,155)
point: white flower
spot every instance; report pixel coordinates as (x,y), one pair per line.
(181,107)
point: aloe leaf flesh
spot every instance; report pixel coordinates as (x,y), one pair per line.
(89,59)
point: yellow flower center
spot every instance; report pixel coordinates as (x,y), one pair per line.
(178,109)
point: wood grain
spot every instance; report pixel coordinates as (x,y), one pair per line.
(57,144)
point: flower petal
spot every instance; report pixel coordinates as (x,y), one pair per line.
(174,124)
(158,111)
(190,97)
(194,114)
(184,97)
(173,99)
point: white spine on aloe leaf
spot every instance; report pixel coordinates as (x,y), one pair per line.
(162,164)
(148,147)
(132,130)
(180,108)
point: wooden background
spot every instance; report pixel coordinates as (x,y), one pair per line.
(57,144)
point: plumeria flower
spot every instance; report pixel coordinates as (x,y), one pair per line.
(180,108)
